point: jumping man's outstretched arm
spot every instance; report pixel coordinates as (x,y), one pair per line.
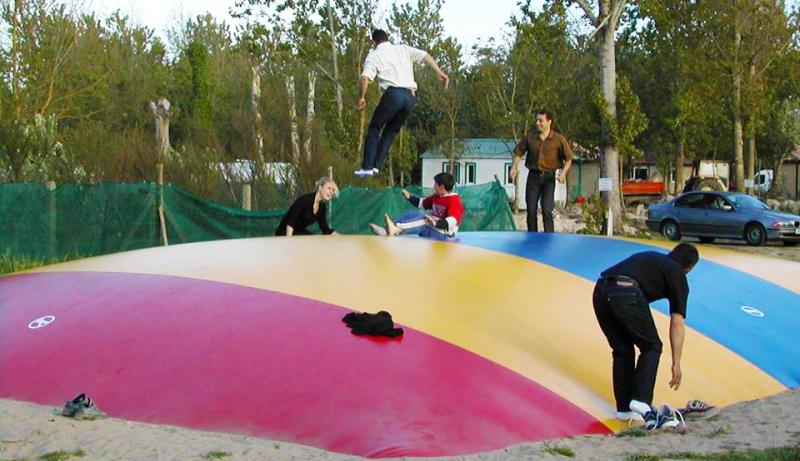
(441,76)
(676,335)
(363,84)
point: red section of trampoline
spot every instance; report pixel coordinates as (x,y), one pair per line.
(221,357)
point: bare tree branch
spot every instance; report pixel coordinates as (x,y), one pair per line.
(587,9)
(617,10)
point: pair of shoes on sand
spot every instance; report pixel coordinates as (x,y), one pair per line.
(654,418)
(389,231)
(82,407)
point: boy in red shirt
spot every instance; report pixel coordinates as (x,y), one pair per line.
(446,212)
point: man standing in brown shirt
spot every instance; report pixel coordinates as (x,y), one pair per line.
(546,151)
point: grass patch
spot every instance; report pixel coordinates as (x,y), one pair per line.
(9,264)
(769,454)
(216,455)
(555,449)
(641,457)
(61,455)
(632,432)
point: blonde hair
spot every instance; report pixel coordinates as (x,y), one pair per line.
(325,180)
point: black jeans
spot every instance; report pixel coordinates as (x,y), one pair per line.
(540,186)
(625,318)
(390,114)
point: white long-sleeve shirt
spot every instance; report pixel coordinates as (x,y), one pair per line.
(393,65)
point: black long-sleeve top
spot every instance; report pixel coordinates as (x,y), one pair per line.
(658,275)
(301,215)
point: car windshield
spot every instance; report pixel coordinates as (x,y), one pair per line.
(747,202)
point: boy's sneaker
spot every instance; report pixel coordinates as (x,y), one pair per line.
(375,171)
(671,419)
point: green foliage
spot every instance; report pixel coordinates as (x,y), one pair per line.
(76,88)
(216,455)
(555,449)
(594,215)
(629,122)
(62,455)
(641,457)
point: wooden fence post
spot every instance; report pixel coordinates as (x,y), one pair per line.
(161,220)
(247,197)
(51,220)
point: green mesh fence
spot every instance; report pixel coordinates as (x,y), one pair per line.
(88,220)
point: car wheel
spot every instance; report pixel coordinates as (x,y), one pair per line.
(755,234)
(707,239)
(671,230)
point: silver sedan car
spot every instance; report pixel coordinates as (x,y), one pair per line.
(732,215)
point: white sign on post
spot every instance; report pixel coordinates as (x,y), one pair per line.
(604,184)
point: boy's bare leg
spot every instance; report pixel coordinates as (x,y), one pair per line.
(391,229)
(377,230)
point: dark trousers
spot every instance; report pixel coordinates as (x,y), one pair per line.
(391,113)
(540,186)
(626,320)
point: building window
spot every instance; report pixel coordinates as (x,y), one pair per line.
(639,173)
(456,174)
(507,176)
(470,173)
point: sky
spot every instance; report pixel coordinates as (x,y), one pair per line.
(470,21)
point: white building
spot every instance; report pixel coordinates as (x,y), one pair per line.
(477,161)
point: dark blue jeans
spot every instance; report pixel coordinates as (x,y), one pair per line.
(626,321)
(540,186)
(391,113)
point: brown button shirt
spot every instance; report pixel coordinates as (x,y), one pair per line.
(546,155)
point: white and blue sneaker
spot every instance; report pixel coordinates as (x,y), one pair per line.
(671,419)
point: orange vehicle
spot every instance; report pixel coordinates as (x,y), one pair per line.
(639,191)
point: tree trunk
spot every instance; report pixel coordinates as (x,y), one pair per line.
(310,113)
(777,180)
(294,135)
(162,114)
(751,138)
(738,132)
(680,155)
(335,57)
(255,98)
(610,152)
(751,160)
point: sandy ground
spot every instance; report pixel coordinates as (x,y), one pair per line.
(28,431)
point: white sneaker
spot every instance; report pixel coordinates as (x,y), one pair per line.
(629,416)
(363,172)
(375,171)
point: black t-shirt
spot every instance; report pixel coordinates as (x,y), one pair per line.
(301,215)
(658,275)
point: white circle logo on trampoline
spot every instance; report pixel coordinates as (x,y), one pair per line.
(42,322)
(753,311)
